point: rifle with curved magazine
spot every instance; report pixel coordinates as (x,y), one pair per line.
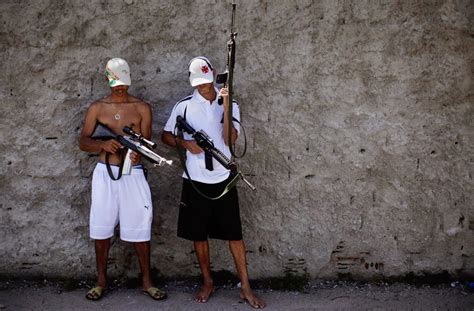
(133,142)
(205,142)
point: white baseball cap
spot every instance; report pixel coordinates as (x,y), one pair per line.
(200,71)
(118,72)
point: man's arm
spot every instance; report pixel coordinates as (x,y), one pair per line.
(144,110)
(225,96)
(86,143)
(145,125)
(169,139)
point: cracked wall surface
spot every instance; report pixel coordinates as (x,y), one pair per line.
(358,114)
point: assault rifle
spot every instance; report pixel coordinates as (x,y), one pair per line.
(134,142)
(206,143)
(227,78)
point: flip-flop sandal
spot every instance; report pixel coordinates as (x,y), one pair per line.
(155,293)
(95,293)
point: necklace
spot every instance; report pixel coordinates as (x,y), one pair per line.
(117,115)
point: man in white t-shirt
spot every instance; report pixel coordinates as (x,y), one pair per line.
(199,217)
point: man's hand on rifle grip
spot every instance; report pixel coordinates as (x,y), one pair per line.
(135,157)
(190,145)
(110,146)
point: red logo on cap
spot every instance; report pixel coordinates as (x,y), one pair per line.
(205,69)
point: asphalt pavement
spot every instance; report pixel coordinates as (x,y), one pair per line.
(317,295)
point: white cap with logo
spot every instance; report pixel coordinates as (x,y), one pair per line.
(118,72)
(200,71)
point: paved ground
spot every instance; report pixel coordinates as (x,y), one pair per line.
(22,295)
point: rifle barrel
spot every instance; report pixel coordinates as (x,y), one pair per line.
(233,18)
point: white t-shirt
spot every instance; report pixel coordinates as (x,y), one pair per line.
(201,114)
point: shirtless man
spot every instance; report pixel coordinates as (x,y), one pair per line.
(127,200)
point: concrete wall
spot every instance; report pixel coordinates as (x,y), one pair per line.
(358,116)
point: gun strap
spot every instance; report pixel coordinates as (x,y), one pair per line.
(109,169)
(232,148)
(227,188)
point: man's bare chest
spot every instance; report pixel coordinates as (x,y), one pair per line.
(116,116)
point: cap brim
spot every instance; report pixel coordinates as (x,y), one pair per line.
(121,82)
(199,81)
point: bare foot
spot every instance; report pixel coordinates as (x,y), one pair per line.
(252,299)
(204,293)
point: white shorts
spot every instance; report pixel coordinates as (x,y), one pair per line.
(126,201)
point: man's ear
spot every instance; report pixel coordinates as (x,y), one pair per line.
(107,81)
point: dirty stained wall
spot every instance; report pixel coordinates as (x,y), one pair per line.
(358,116)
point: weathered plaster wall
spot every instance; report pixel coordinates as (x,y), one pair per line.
(358,115)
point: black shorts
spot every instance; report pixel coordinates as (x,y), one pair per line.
(200,218)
